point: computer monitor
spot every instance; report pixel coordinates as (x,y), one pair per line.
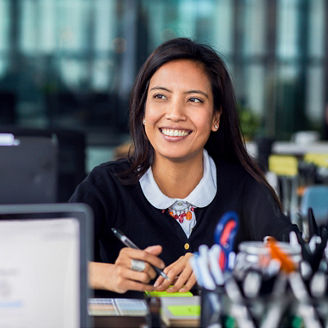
(28,170)
(44,252)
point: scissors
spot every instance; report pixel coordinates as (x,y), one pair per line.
(224,236)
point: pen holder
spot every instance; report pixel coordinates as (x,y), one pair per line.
(153,318)
(274,306)
(212,306)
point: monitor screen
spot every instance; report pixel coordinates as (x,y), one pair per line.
(40,270)
(28,170)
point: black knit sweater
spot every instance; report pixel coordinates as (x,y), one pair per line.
(126,208)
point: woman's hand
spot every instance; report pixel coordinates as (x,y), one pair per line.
(181,276)
(120,277)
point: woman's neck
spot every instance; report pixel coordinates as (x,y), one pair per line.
(177,179)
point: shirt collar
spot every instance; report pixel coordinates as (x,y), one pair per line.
(201,196)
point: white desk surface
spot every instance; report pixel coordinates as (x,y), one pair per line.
(291,148)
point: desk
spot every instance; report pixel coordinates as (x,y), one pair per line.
(121,321)
(118,321)
(115,312)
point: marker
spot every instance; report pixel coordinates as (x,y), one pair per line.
(293,241)
(252,283)
(206,277)
(213,259)
(224,236)
(129,243)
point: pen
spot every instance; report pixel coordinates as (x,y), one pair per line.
(213,259)
(129,243)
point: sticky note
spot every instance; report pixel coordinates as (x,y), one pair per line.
(184,310)
(167,294)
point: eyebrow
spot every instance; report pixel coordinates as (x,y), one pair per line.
(187,92)
(197,91)
(160,88)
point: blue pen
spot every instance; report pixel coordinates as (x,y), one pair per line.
(224,236)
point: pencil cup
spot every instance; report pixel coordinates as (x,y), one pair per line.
(212,304)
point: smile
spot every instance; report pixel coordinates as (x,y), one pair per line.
(175,133)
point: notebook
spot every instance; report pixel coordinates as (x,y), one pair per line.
(181,311)
(28,170)
(117,307)
(44,252)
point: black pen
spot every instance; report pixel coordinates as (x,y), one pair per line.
(127,242)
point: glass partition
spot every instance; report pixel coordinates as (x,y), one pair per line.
(72,63)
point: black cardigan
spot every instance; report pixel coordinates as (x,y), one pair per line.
(126,208)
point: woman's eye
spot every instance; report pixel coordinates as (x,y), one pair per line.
(196,100)
(159,96)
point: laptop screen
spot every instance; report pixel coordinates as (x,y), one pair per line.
(43,265)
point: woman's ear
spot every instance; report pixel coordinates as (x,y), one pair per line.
(216,121)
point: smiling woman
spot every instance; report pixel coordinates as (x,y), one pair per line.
(179,117)
(188,167)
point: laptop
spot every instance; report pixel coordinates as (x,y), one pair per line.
(44,254)
(28,170)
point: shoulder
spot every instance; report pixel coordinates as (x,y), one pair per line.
(235,178)
(102,180)
(112,167)
(108,171)
(232,172)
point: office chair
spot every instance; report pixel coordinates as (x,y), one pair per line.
(8,102)
(315,197)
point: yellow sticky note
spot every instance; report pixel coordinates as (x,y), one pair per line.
(184,310)
(283,165)
(167,294)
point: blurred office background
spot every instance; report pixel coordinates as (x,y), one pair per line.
(70,64)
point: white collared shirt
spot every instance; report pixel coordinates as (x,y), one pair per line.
(201,196)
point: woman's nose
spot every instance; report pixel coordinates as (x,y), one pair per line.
(176,111)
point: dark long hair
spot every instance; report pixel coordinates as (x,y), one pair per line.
(226,144)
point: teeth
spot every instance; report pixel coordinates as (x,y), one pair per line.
(175,133)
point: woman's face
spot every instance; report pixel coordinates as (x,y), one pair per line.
(179,110)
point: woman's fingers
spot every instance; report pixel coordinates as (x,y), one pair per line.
(143,276)
(155,249)
(190,284)
(134,268)
(148,255)
(180,274)
(133,281)
(127,279)
(184,280)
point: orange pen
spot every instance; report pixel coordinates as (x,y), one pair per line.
(287,264)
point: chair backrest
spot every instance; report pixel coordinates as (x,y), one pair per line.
(7,107)
(316,197)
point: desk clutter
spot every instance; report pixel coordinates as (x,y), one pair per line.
(266,284)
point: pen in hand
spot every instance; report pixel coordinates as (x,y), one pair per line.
(129,243)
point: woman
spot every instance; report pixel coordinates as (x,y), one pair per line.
(188,167)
